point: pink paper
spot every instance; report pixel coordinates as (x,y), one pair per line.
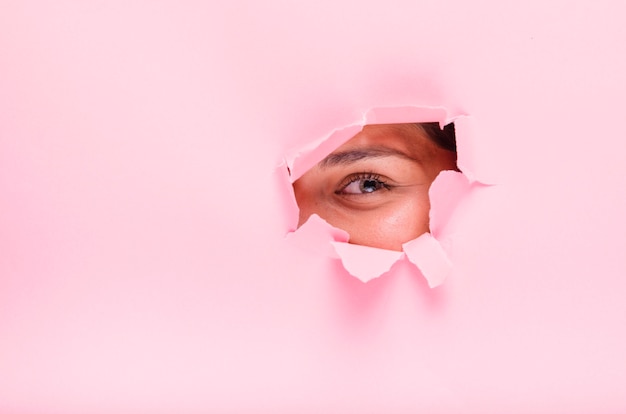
(148,259)
(366,263)
(428,255)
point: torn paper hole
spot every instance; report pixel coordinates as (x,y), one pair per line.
(364,191)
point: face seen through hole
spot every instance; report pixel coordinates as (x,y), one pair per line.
(375,186)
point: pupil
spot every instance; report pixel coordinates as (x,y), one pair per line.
(369,186)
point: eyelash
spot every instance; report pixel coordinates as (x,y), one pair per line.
(359,177)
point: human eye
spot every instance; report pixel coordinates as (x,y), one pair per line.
(362,183)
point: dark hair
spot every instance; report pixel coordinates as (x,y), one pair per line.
(445,138)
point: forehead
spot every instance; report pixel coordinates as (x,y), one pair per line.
(410,139)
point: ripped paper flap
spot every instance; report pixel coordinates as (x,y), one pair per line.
(408,114)
(305,158)
(364,262)
(316,235)
(445,194)
(426,253)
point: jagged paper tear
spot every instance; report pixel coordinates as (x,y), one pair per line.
(428,255)
(365,263)
(445,194)
(300,160)
(317,234)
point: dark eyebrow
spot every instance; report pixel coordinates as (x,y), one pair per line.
(348,157)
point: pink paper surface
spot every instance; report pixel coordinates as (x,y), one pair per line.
(363,262)
(144,262)
(428,255)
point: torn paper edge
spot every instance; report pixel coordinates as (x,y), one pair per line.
(445,194)
(379,261)
(425,252)
(429,256)
(300,160)
(318,233)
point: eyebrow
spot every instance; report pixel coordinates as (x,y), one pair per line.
(349,157)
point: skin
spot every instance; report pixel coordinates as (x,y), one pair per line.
(375,186)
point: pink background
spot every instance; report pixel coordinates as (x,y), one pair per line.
(143,265)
